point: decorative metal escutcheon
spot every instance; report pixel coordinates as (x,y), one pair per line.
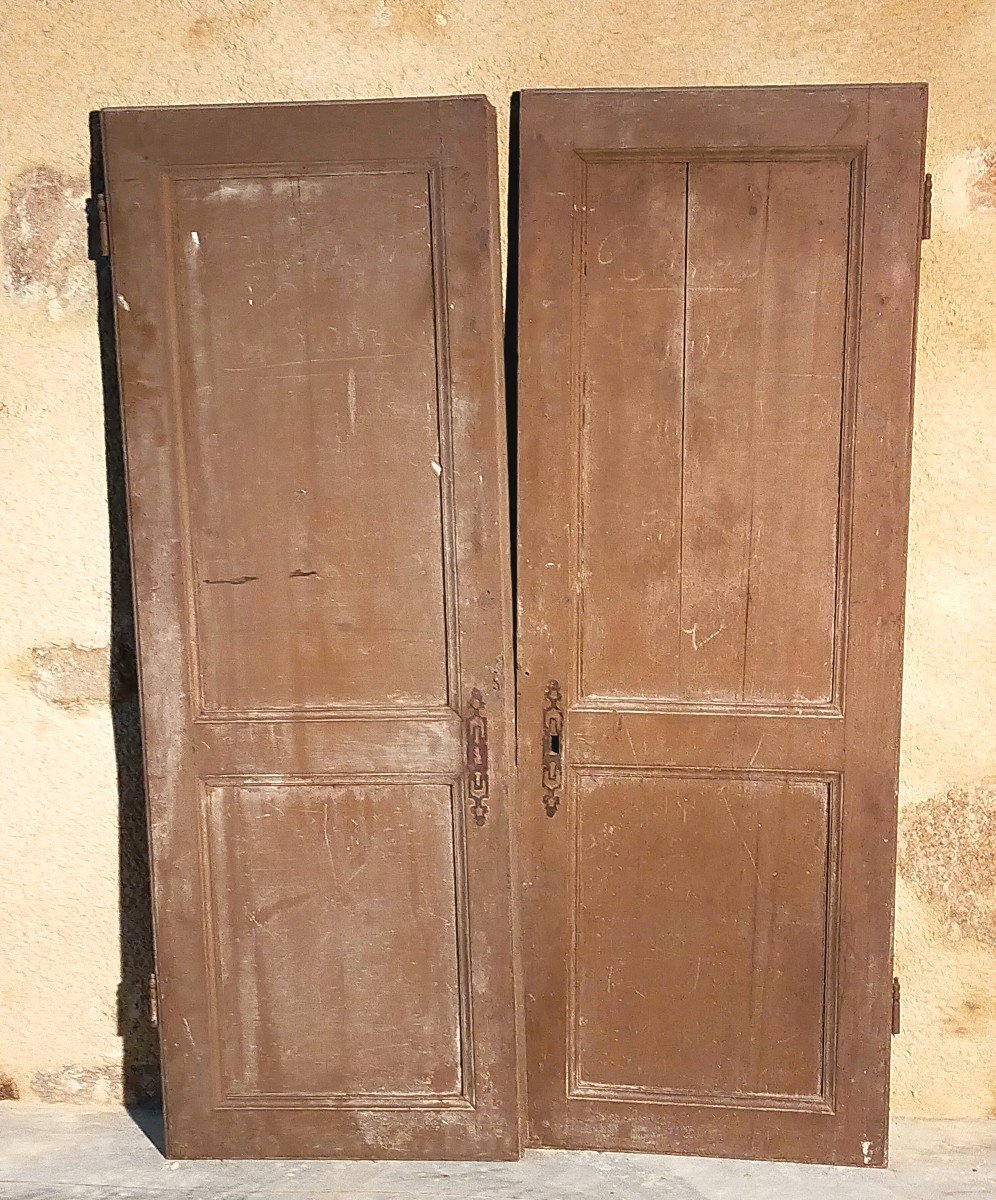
(553,748)
(477,757)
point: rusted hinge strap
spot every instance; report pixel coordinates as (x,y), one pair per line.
(896,1006)
(478,786)
(553,748)
(928,193)
(100,242)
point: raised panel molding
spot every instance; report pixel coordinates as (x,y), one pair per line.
(218,790)
(820,1099)
(598,698)
(443,466)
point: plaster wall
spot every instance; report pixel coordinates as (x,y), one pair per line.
(70,998)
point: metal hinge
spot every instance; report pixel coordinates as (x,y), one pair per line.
(928,192)
(153,1001)
(896,1005)
(100,243)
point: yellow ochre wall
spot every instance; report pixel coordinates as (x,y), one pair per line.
(63,873)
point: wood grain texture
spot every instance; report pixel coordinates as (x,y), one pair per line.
(657,976)
(313,297)
(631,284)
(764,392)
(309,338)
(717,300)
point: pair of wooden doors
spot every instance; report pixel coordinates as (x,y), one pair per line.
(716,295)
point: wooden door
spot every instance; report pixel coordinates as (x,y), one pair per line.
(716,346)
(308,324)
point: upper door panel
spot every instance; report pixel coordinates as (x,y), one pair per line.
(313,295)
(713,296)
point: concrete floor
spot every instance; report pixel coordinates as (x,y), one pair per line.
(52,1152)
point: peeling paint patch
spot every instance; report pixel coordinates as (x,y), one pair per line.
(947,854)
(965,186)
(8,1087)
(971,1015)
(79,1085)
(426,20)
(45,241)
(984,186)
(69,676)
(207,29)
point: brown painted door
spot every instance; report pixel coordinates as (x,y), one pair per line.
(716,328)
(308,322)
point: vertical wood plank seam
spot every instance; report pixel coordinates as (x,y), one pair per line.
(753,445)
(681,464)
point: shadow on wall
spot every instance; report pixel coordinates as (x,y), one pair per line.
(140,1064)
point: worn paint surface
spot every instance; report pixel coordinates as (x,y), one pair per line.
(59,924)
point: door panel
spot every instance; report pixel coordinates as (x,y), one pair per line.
(340,267)
(648,942)
(631,310)
(767,283)
(377,942)
(717,301)
(736,405)
(311,394)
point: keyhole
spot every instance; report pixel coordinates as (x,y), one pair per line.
(554,743)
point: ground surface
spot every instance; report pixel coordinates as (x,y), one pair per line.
(69,1153)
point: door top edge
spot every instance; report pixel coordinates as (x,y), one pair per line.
(247,106)
(723,89)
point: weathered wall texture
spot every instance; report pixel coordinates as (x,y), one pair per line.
(62,702)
